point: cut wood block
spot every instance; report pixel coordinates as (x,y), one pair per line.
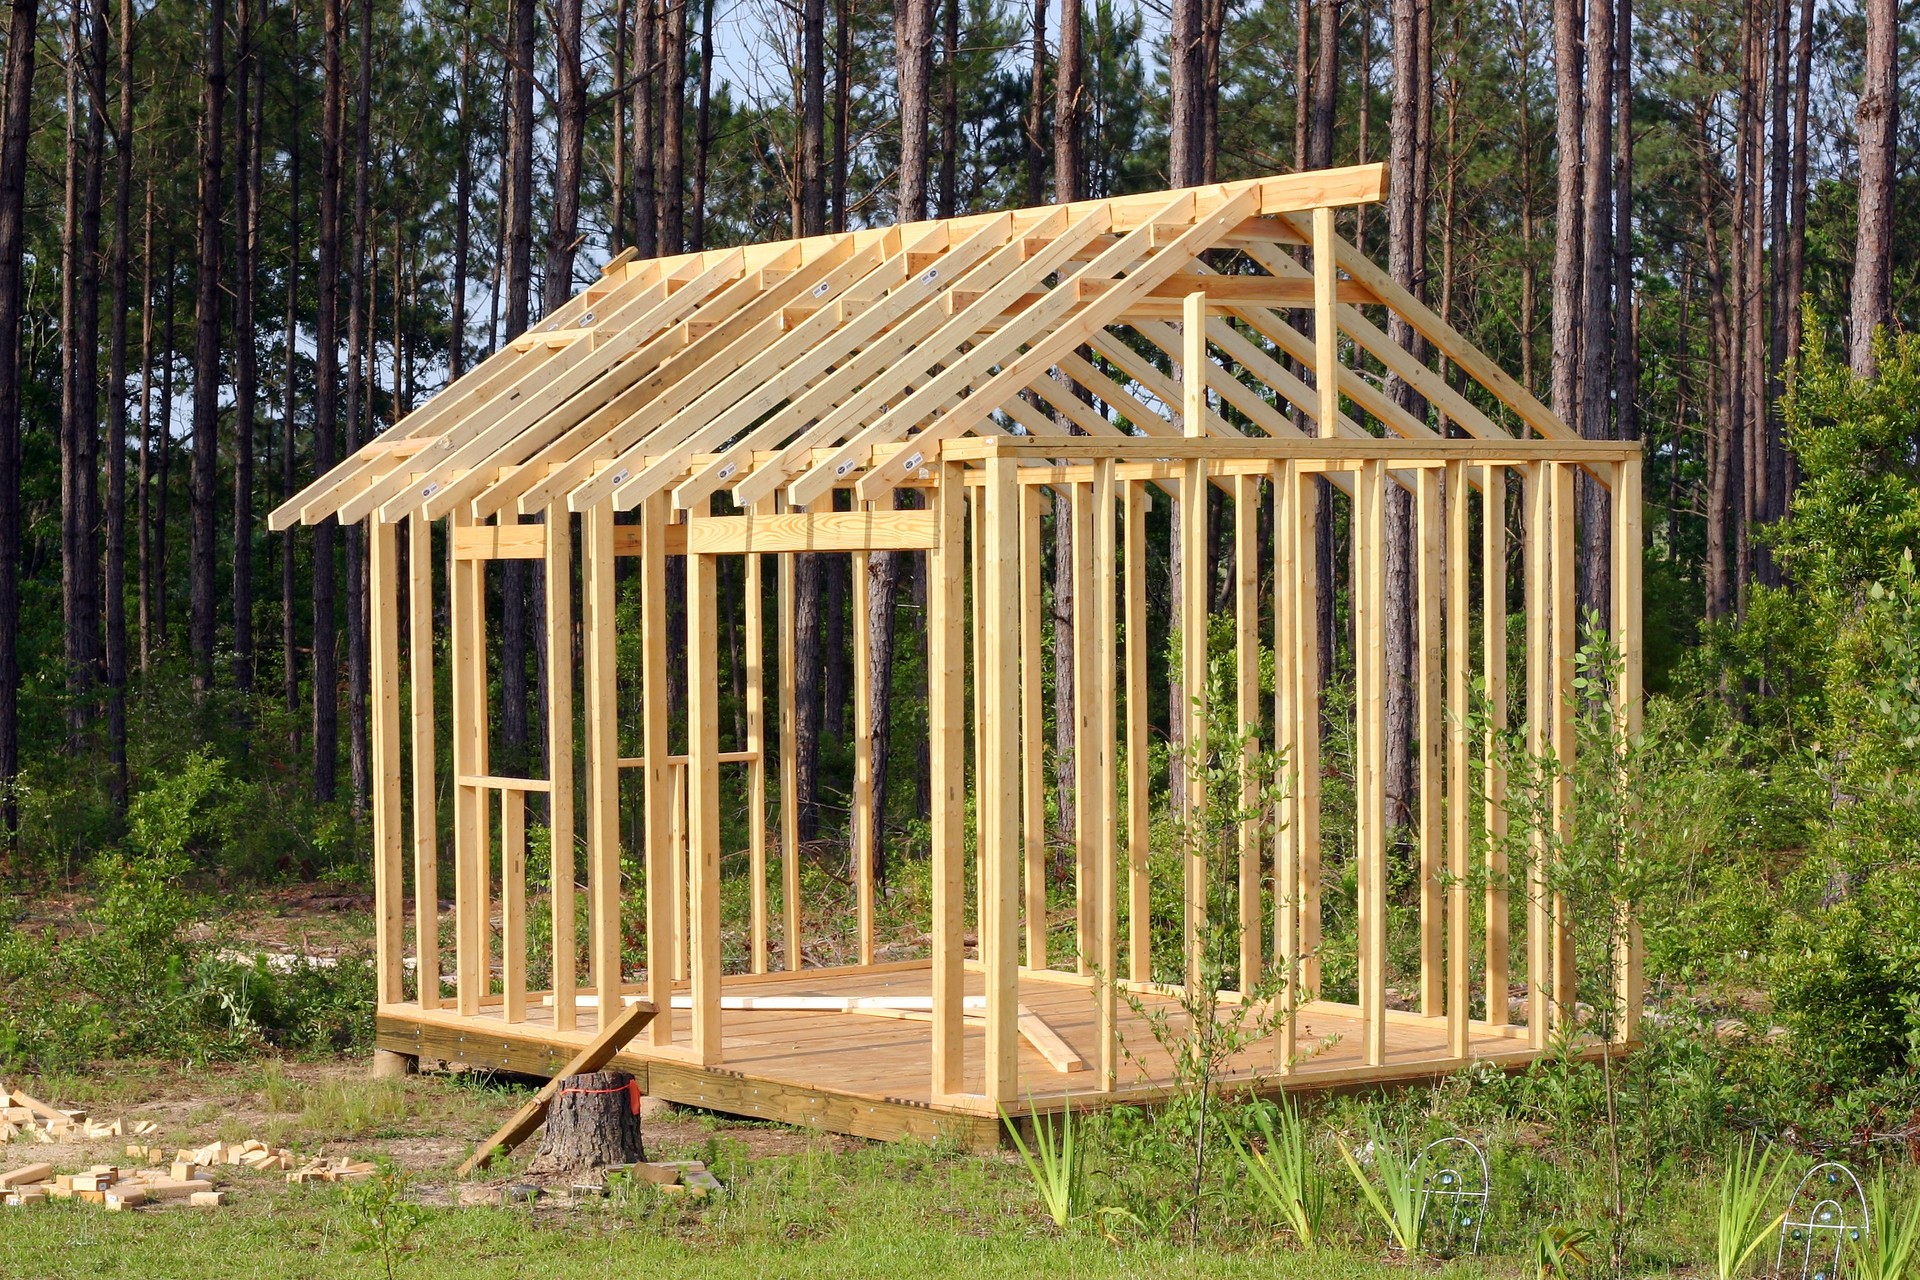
(701,1183)
(26,1197)
(91,1197)
(207,1199)
(91,1181)
(42,1110)
(14,1115)
(24,1174)
(8,1131)
(177,1189)
(59,1189)
(187,1170)
(207,1155)
(253,1144)
(125,1198)
(660,1175)
(145,1127)
(40,1134)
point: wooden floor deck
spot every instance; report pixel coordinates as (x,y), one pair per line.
(869,1075)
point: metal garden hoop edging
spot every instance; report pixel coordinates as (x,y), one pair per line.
(1822,1197)
(1463,1187)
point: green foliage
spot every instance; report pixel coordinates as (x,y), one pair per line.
(384,1220)
(134,978)
(1748,1183)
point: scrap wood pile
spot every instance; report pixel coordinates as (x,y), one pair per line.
(112,1186)
(151,1177)
(26,1118)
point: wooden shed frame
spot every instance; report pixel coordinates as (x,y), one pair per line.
(1099,350)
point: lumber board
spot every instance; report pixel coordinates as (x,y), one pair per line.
(558,581)
(825,531)
(1429,549)
(1033,784)
(703,804)
(946,723)
(424,745)
(999,785)
(1139,726)
(658,788)
(622,1028)
(389,859)
(1493,663)
(1459,794)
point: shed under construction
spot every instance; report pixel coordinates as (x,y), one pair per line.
(1039,380)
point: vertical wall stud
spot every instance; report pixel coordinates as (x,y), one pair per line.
(1139,722)
(999,773)
(603,767)
(946,724)
(703,803)
(1493,639)
(559,622)
(1459,800)
(426,827)
(389,881)
(1429,525)
(1033,756)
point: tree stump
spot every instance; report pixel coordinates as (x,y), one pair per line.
(591,1124)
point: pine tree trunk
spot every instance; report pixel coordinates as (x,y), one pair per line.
(326,375)
(811,214)
(570,112)
(673,127)
(1594,570)
(702,130)
(361,272)
(591,1124)
(206,354)
(1568,262)
(950,107)
(246,375)
(463,203)
(1876,122)
(16,125)
(515,581)
(913,49)
(807,664)
(289,640)
(843,19)
(143,549)
(1406,252)
(163,443)
(1036,99)
(115,595)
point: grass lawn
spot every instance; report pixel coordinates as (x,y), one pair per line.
(797,1204)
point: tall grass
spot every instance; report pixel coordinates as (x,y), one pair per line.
(1890,1249)
(1747,1186)
(1396,1201)
(1055,1164)
(1283,1172)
